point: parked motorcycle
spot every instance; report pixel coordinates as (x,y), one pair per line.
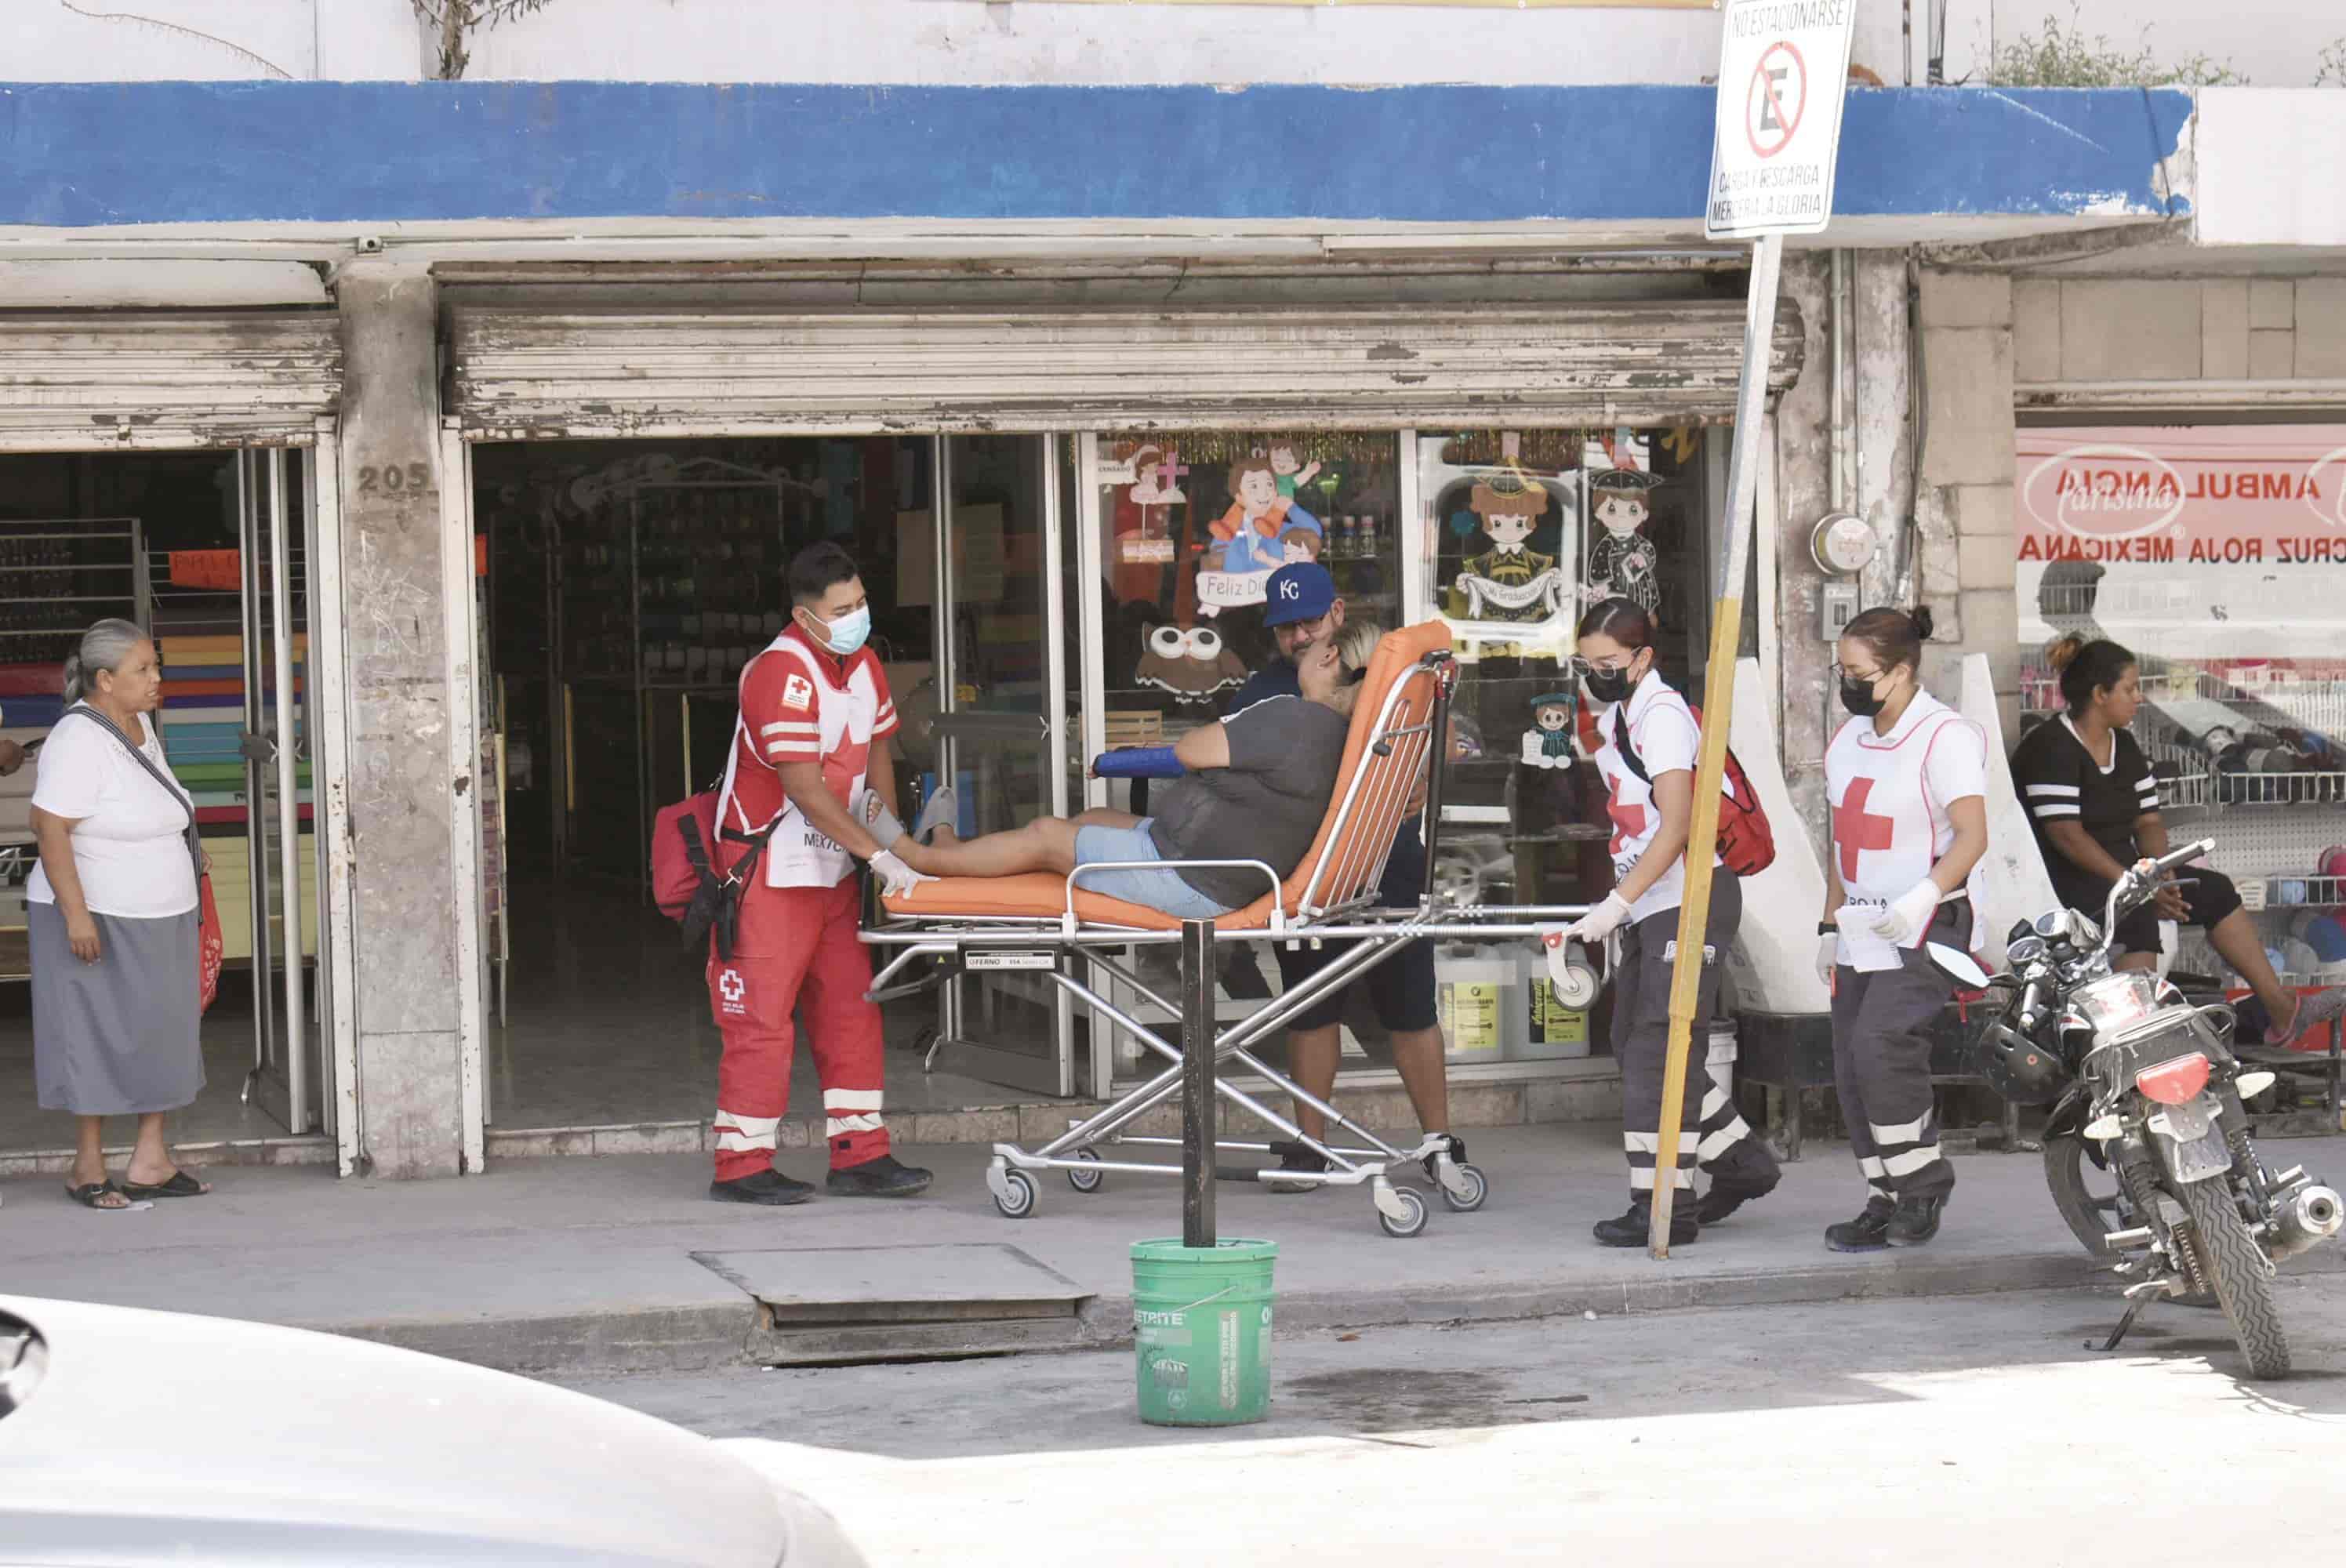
(2143,1087)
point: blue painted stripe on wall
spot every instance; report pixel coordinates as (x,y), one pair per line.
(82,155)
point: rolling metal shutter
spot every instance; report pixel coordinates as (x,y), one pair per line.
(518,374)
(115,381)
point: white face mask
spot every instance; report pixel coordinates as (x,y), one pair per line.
(845,635)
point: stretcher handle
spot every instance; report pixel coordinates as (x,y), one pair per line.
(1137,762)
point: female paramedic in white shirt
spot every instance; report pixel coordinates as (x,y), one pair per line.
(1652,816)
(111,919)
(1906,777)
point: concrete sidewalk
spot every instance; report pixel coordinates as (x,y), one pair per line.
(584,1265)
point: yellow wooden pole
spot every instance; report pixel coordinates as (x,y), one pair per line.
(1718,715)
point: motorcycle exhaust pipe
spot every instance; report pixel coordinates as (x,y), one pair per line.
(2307,1217)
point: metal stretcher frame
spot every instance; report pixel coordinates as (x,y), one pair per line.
(1335,905)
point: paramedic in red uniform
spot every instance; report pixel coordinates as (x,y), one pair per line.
(815,717)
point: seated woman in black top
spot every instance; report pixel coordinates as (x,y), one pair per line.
(2094,803)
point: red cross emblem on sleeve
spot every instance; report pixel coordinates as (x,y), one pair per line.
(1628,818)
(1854,832)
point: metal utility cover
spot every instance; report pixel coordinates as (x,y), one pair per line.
(945,1283)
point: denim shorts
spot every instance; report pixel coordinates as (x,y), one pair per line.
(1162,890)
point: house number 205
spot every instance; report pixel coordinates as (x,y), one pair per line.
(394,477)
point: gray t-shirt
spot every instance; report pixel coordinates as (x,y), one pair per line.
(1267,805)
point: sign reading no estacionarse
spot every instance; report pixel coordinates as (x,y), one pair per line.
(1783,66)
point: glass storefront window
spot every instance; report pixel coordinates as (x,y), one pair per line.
(1520,532)
(2213,554)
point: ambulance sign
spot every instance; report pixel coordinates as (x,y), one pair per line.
(1783,68)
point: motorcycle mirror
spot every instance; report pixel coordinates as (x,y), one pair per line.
(1957,965)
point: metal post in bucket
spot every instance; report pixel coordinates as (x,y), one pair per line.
(1196,1082)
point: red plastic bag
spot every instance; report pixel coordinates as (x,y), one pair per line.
(210,949)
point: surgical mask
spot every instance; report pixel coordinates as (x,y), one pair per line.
(1607,685)
(845,635)
(1858,697)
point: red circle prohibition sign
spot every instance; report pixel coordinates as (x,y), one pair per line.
(1781,55)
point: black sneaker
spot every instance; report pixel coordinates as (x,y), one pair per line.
(880,1177)
(1726,1196)
(1915,1221)
(1296,1157)
(1867,1233)
(768,1186)
(1633,1228)
(1457,1158)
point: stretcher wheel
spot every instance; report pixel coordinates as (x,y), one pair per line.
(1021,1201)
(1413,1213)
(1087,1181)
(1478,1187)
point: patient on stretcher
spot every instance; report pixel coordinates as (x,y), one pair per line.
(1257,786)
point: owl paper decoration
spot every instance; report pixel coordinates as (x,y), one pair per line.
(1192,663)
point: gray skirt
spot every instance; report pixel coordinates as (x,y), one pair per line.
(117,1037)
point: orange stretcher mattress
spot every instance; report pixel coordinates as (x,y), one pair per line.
(1044,894)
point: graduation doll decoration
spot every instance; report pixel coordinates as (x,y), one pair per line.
(1622,562)
(1510,581)
(1548,742)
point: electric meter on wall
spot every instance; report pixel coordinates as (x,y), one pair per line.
(1841,543)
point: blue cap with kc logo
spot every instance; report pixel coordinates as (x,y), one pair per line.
(1298,591)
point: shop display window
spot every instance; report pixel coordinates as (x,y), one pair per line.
(2215,553)
(1520,532)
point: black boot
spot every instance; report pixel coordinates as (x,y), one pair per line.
(1296,1157)
(880,1177)
(1916,1221)
(766,1186)
(1633,1228)
(1746,1171)
(1867,1232)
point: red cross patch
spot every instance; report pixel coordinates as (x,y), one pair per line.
(1855,831)
(797,692)
(1628,819)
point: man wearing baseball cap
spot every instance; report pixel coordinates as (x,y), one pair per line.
(1302,609)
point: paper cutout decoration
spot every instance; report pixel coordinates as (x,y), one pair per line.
(1261,531)
(1510,581)
(1286,464)
(1549,743)
(1622,561)
(1194,664)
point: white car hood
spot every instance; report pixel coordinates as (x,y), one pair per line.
(159,1435)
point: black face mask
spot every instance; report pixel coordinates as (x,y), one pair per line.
(1857,696)
(1607,685)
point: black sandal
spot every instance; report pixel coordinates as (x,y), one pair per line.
(181,1184)
(88,1193)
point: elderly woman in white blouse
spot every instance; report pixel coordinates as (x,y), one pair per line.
(111,915)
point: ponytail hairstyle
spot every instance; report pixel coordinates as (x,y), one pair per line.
(1896,637)
(2086,667)
(103,648)
(1624,620)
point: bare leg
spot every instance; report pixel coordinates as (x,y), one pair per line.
(1418,1058)
(150,1159)
(1312,1057)
(1045,844)
(89,1158)
(2236,939)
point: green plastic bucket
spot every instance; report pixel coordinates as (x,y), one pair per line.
(1202,1331)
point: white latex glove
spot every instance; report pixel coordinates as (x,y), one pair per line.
(1598,924)
(896,878)
(1908,915)
(1828,958)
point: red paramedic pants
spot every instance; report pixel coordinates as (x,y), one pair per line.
(796,949)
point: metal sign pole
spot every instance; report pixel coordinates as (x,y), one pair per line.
(1717,714)
(1197,1108)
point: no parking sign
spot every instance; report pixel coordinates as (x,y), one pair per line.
(1783,71)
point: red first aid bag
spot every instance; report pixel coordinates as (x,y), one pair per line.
(683,837)
(1747,844)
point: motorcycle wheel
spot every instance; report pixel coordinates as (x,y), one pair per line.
(2242,1274)
(2092,1203)
(2092,1208)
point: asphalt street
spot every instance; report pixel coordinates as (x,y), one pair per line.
(1912,1432)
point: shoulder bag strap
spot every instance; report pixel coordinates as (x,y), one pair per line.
(171,787)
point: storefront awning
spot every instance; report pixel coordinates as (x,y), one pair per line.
(115,381)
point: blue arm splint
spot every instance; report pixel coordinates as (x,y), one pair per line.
(1138,762)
